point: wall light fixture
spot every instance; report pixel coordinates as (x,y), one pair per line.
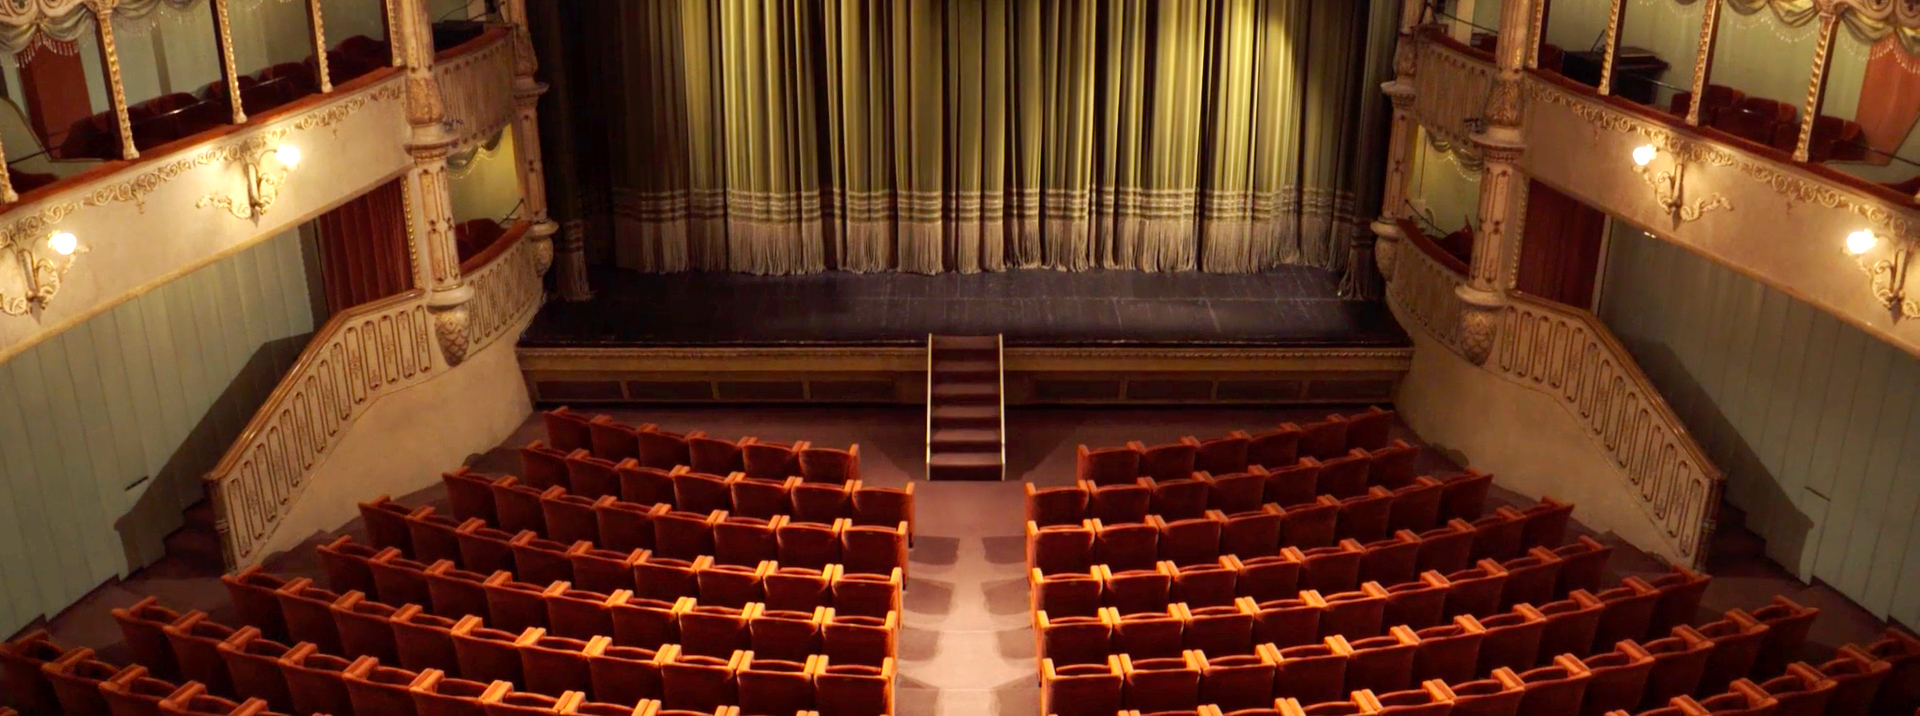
(1888,275)
(263,184)
(1667,187)
(41,277)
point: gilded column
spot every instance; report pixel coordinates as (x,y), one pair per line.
(429,198)
(526,133)
(1816,84)
(224,37)
(1501,143)
(1399,145)
(116,88)
(318,21)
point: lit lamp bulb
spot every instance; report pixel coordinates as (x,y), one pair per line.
(1860,242)
(288,155)
(1643,154)
(63,243)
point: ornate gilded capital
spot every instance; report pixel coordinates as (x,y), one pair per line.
(1400,92)
(450,325)
(1479,322)
(1503,104)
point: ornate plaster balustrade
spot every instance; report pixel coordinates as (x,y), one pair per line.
(476,85)
(1782,222)
(362,354)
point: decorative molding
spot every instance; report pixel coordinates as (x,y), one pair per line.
(643,353)
(477,91)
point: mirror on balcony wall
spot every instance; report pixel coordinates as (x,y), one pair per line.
(485,187)
(1757,81)
(56,120)
(1474,23)
(170,68)
(1574,37)
(357,38)
(1444,191)
(1659,41)
(272,52)
(1868,107)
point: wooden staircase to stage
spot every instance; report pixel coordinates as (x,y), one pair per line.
(966,408)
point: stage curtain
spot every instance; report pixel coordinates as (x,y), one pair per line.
(363,248)
(928,136)
(1560,247)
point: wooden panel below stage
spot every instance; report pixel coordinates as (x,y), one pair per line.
(897,374)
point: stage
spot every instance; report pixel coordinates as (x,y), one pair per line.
(1096,336)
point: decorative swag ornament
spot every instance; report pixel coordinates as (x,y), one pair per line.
(23,22)
(930,136)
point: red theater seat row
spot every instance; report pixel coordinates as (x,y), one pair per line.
(612,441)
(1335,437)
(1418,503)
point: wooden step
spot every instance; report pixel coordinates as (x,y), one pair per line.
(965,440)
(966,416)
(960,370)
(965,466)
(940,343)
(967,394)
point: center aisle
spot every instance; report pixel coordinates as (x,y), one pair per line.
(966,646)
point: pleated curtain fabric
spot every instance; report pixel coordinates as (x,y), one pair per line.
(797,136)
(363,248)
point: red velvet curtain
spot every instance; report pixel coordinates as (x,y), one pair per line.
(54,82)
(1889,99)
(363,249)
(1560,248)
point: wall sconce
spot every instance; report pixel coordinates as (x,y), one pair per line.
(42,277)
(1666,186)
(1888,275)
(263,185)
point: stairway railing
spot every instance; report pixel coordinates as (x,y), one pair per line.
(361,354)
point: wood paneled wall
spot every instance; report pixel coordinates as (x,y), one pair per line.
(1815,423)
(107,427)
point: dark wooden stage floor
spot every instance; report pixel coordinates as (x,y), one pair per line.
(1295,307)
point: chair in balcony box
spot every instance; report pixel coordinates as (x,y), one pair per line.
(1497,536)
(542,466)
(1311,673)
(1051,549)
(1205,584)
(612,440)
(386,524)
(581,614)
(1445,549)
(1193,540)
(1801,691)
(873,549)
(603,570)
(74,681)
(1477,590)
(1678,663)
(775,461)
(1629,609)
(1393,560)
(684,535)
(1392,464)
(864,594)
(1061,505)
(1835,139)
(454,592)
(482,549)
(253,663)
(823,464)
(1148,634)
(424,641)
(1552,690)
(647,623)
(513,606)
(486,654)
(1081,594)
(1220,630)
(1081,689)
(1331,569)
(1787,625)
(730,585)
(1381,663)
(1364,516)
(625,526)
(785,635)
(1324,439)
(366,627)
(712,629)
(1128,591)
(1416,505)
(1289,622)
(1513,639)
(566,429)
(398,580)
(1355,614)
(1341,476)
(1546,523)
(1737,639)
(1448,652)
(570,517)
(1117,503)
(1530,577)
(377,690)
(345,565)
(822,502)
(540,561)
(791,588)
(436,694)
(1582,563)
(1275,576)
(1420,603)
(1251,533)
(1619,678)
(854,689)
(776,686)
(644,485)
(1571,624)
(435,535)
(553,664)
(697,683)
(519,508)
(1464,496)
(1309,524)
(1679,601)
(850,639)
(1155,685)
(1074,640)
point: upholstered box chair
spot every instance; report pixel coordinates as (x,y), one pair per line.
(1162,683)
(1678,663)
(776,686)
(1081,689)
(590,476)
(553,664)
(1236,491)
(822,502)
(134,692)
(1546,523)
(1552,690)
(1149,635)
(1513,639)
(193,699)
(1582,564)
(648,623)
(1204,584)
(1391,560)
(386,523)
(1311,673)
(482,548)
(1364,517)
(377,690)
(1419,603)
(1449,652)
(1324,439)
(762,497)
(1530,577)
(1123,546)
(1190,540)
(603,570)
(1291,484)
(436,694)
(540,561)
(1117,502)
(1274,576)
(1857,678)
(794,588)
(1392,464)
(1107,466)
(398,580)
(644,484)
(712,629)
(785,635)
(1053,548)
(1787,625)
(519,508)
(1619,678)
(851,639)
(1331,569)
(1493,696)
(1464,495)
(774,461)
(254,595)
(1447,548)
(424,641)
(470,494)
(1497,536)
(854,689)
(1176,498)
(1222,455)
(345,565)
(1381,663)
(543,466)
(1250,533)
(873,549)
(1801,691)
(1476,590)
(703,492)
(1737,639)
(612,440)
(824,464)
(569,517)
(366,627)
(581,614)
(665,578)
(666,450)
(716,456)
(514,605)
(1629,609)
(1076,594)
(1237,681)
(1074,640)
(1218,630)
(865,594)
(74,681)
(698,683)
(1420,700)
(1289,622)
(684,535)
(1341,476)
(308,611)
(487,654)
(625,525)
(454,592)
(253,662)
(1416,505)
(730,585)
(567,430)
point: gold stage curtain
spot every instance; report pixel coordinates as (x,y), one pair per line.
(796,136)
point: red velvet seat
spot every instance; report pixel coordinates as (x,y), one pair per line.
(1801,691)
(775,461)
(1084,689)
(785,635)
(612,440)
(554,664)
(316,682)
(603,570)
(513,606)
(1498,695)
(398,580)
(854,689)
(1342,476)
(345,564)
(1736,644)
(436,694)
(1073,640)
(483,549)
(1476,591)
(540,561)
(519,506)
(1312,673)
(1149,634)
(133,692)
(386,524)
(644,485)
(1171,461)
(74,681)
(424,641)
(1901,649)
(1161,684)
(712,629)
(791,588)
(1464,496)
(1077,594)
(1220,630)
(697,683)
(1236,491)
(1420,603)
(1392,463)
(1204,584)
(1678,663)
(1331,569)
(1392,560)
(1289,622)
(762,497)
(255,597)
(1497,536)
(1447,548)
(1275,576)
(1324,439)
(716,456)
(1629,608)
(1057,505)
(435,535)
(684,535)
(1117,503)
(1176,498)
(1416,505)
(570,517)
(487,654)
(1251,533)
(1571,624)
(1582,563)
(851,639)
(366,627)
(1355,614)
(776,686)
(377,690)
(542,466)
(1291,484)
(1194,540)
(590,476)
(1449,652)
(878,505)
(1276,448)
(566,430)
(866,595)
(701,492)
(1787,625)
(1381,663)
(1513,639)
(647,623)
(196,648)
(581,614)
(1364,516)
(1553,690)
(822,464)
(1309,525)
(1530,578)
(1546,523)
(1679,601)
(822,502)
(1619,679)
(1857,677)
(1744,699)
(1130,591)
(625,526)
(253,662)
(1051,549)
(454,592)
(873,549)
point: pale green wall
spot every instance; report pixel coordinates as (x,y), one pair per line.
(488,188)
(269,32)
(1759,55)
(1439,185)
(1572,25)
(168,51)
(156,388)
(1816,423)
(347,18)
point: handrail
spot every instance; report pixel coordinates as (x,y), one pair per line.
(361,354)
(1569,354)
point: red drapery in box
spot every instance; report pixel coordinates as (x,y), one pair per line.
(363,248)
